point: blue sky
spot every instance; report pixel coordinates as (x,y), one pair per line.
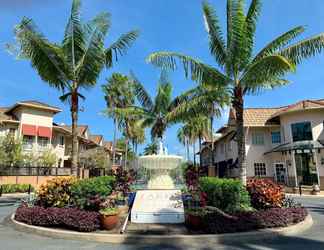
(175,25)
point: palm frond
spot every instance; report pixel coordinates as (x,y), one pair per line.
(93,59)
(250,27)
(216,40)
(66,98)
(264,70)
(45,57)
(194,68)
(120,47)
(73,42)
(279,42)
(304,49)
(141,93)
(268,84)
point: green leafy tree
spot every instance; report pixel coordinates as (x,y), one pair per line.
(151,148)
(76,62)
(238,67)
(10,151)
(47,159)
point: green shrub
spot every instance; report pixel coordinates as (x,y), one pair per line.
(89,193)
(228,195)
(55,192)
(16,188)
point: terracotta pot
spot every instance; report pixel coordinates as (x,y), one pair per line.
(194,221)
(109,222)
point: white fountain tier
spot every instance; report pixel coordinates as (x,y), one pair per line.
(159,167)
(160,202)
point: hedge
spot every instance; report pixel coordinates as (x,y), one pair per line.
(215,222)
(67,218)
(229,195)
(88,193)
(16,188)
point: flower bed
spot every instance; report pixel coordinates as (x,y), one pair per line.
(217,222)
(68,218)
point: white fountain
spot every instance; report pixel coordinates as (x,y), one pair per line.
(160,202)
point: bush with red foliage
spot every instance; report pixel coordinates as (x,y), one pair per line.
(68,218)
(216,222)
(265,193)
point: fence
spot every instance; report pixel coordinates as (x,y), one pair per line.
(34,171)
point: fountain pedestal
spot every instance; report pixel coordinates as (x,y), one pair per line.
(158,206)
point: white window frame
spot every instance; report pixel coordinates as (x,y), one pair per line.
(61,139)
(40,143)
(256,138)
(258,169)
(28,144)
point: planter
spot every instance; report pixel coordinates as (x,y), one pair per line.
(109,222)
(194,221)
(122,209)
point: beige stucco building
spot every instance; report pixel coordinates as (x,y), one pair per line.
(33,122)
(284,143)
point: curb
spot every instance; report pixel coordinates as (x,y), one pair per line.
(170,239)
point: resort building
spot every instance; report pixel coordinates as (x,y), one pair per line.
(283,143)
(33,122)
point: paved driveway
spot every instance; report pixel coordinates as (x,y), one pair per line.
(312,239)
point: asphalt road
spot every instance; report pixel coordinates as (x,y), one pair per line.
(309,240)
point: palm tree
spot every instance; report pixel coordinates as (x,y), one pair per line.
(76,62)
(151,149)
(152,112)
(238,68)
(199,102)
(137,134)
(118,94)
(183,139)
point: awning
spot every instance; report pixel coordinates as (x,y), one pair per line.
(299,145)
(29,130)
(44,132)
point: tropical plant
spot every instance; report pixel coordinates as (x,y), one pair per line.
(76,62)
(238,68)
(95,158)
(151,148)
(118,93)
(153,113)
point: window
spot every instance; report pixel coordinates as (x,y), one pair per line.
(61,141)
(42,142)
(301,131)
(229,146)
(28,142)
(257,138)
(275,137)
(260,169)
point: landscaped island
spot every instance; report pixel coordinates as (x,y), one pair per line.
(212,205)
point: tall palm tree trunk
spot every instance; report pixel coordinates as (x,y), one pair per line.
(194,152)
(212,140)
(187,146)
(126,153)
(199,138)
(74,116)
(238,105)
(114,141)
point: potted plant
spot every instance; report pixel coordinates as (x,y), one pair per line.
(194,218)
(109,213)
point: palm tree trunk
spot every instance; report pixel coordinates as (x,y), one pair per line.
(114,141)
(212,140)
(187,146)
(74,116)
(199,138)
(126,153)
(194,152)
(238,105)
